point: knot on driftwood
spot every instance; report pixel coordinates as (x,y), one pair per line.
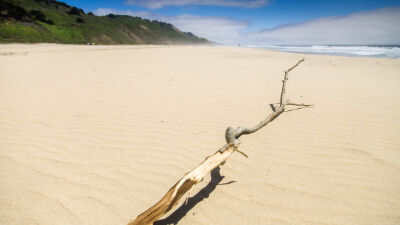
(230,135)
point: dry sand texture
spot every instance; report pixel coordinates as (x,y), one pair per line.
(97,134)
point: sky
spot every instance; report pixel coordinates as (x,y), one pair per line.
(268,22)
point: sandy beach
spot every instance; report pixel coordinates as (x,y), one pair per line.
(98,134)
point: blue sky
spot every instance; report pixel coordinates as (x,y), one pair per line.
(268,21)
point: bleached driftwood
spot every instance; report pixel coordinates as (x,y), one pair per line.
(172,197)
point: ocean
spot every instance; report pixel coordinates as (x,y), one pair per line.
(355,51)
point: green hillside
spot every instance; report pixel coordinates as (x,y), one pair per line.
(34,21)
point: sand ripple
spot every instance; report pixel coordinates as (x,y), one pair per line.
(95,135)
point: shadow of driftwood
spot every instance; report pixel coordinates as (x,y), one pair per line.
(176,216)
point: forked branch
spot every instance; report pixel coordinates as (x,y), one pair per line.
(176,192)
(284,81)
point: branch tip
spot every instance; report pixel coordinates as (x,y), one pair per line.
(244,154)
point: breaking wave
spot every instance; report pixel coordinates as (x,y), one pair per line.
(359,51)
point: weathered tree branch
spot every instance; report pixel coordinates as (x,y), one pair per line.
(172,197)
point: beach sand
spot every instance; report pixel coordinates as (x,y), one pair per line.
(98,134)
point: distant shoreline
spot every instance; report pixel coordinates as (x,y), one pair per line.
(370,51)
(295,49)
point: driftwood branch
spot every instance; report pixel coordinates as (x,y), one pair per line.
(172,197)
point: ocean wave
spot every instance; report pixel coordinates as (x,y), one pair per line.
(361,51)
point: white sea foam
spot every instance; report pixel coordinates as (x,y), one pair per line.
(363,51)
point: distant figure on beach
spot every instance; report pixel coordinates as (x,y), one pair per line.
(239,45)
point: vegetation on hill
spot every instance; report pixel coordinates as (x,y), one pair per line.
(33,21)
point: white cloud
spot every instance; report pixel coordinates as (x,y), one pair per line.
(155,4)
(217,29)
(380,26)
(220,30)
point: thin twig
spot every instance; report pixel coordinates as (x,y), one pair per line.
(300,104)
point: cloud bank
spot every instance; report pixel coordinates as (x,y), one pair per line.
(156,4)
(381,26)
